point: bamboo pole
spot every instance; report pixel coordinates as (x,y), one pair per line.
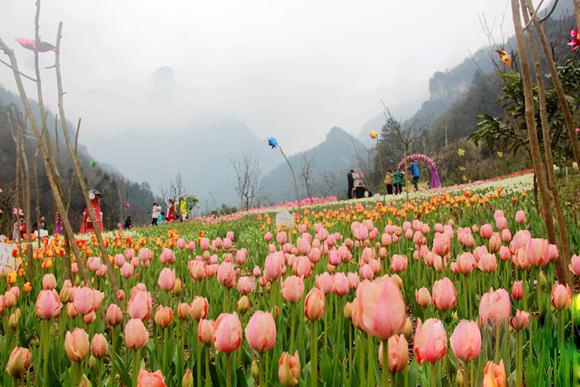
(533,134)
(75,163)
(562,228)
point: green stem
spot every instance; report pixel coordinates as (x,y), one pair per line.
(292,328)
(497,334)
(261,370)
(207,375)
(370,364)
(385,368)
(519,360)
(228,370)
(136,366)
(198,359)
(45,333)
(314,356)
(362,359)
(433,374)
(561,330)
(113,354)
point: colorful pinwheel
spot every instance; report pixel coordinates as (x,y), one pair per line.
(272,142)
(30,44)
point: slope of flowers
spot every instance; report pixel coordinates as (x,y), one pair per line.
(453,288)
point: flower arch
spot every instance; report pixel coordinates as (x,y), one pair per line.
(435,181)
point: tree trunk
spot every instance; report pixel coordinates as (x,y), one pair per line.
(27,209)
(564,258)
(533,135)
(76,166)
(568,118)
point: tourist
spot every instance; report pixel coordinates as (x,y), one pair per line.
(398,182)
(128,223)
(389,182)
(155,213)
(171,211)
(415,173)
(57,224)
(350,183)
(182,209)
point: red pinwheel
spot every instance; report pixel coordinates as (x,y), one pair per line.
(29,44)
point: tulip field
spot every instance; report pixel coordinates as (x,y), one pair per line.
(451,287)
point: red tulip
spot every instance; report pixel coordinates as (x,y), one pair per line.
(430,341)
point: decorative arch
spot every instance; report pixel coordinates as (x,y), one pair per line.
(435,180)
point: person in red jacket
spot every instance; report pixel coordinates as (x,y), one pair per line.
(87,224)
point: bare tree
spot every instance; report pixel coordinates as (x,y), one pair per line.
(306,172)
(329,183)
(248,174)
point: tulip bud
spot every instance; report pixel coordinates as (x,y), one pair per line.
(85,382)
(187,380)
(76,344)
(408,328)
(92,362)
(65,294)
(14,319)
(183,311)
(99,346)
(289,369)
(18,362)
(178,287)
(542,281)
(243,304)
(255,370)
(276,311)
(348,310)
(459,378)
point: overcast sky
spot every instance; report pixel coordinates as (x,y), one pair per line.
(292,69)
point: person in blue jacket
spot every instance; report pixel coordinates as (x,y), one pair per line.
(415,172)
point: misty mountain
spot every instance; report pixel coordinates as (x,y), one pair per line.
(330,161)
(202,153)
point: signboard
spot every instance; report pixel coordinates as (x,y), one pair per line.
(285,220)
(7,261)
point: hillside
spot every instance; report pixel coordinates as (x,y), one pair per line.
(330,160)
(117,190)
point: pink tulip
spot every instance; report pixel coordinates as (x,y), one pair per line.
(292,288)
(261,331)
(198,308)
(48,281)
(506,235)
(423,297)
(289,369)
(466,340)
(494,375)
(314,304)
(501,223)
(18,362)
(486,231)
(353,280)
(227,332)
(520,217)
(494,306)
(430,341)
(76,344)
(494,242)
(226,274)
(575,265)
(99,346)
(381,307)
(113,315)
(246,285)
(538,251)
(444,294)
(140,305)
(127,270)
(487,263)
(167,256)
(84,300)
(47,304)
(150,379)
(324,282)
(561,296)
(398,353)
(441,244)
(520,320)
(166,279)
(90,317)
(517,290)
(504,253)
(163,316)
(399,263)
(136,335)
(205,331)
(340,284)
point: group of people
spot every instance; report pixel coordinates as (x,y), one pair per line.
(39,228)
(394,182)
(176,210)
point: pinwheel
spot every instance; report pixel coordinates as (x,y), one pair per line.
(575,42)
(373,134)
(272,142)
(30,44)
(505,57)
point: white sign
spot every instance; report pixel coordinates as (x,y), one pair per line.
(7,261)
(285,220)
